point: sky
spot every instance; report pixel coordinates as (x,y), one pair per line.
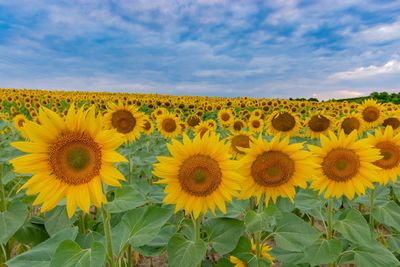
(282,48)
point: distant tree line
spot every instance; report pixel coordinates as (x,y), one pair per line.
(382,97)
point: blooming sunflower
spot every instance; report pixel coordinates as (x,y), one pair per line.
(225,117)
(238,125)
(202,128)
(125,119)
(275,168)
(19,121)
(350,123)
(256,124)
(371,113)
(284,123)
(69,158)
(318,124)
(346,165)
(148,126)
(199,174)
(168,125)
(389,145)
(392,119)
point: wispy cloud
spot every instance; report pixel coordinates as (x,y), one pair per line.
(391,67)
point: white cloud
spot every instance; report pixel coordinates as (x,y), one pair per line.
(380,33)
(391,67)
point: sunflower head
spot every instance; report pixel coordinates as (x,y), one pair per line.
(318,124)
(19,121)
(70,157)
(284,123)
(371,112)
(239,142)
(169,125)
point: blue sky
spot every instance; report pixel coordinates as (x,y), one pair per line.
(278,48)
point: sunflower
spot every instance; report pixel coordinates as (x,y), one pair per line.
(125,119)
(284,123)
(168,125)
(199,174)
(318,124)
(239,141)
(225,117)
(350,123)
(256,124)
(275,168)
(193,120)
(69,158)
(346,165)
(389,145)
(371,113)
(392,119)
(264,253)
(19,121)
(238,125)
(148,126)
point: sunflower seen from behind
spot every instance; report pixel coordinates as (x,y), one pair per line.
(283,123)
(199,175)
(318,124)
(275,168)
(126,120)
(69,158)
(389,145)
(345,165)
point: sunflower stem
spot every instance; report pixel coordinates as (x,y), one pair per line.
(257,238)
(371,207)
(107,232)
(82,222)
(329,228)
(129,252)
(3,200)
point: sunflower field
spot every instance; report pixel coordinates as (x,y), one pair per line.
(113,179)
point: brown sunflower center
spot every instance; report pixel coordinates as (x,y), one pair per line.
(394,122)
(272,168)
(240,141)
(147,125)
(169,125)
(225,116)
(341,164)
(370,114)
(123,121)
(199,175)
(75,158)
(350,124)
(237,125)
(193,121)
(21,122)
(390,153)
(318,123)
(283,122)
(256,124)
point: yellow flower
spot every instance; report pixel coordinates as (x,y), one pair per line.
(284,123)
(275,168)
(225,117)
(389,146)
(19,122)
(256,124)
(346,165)
(371,113)
(318,124)
(69,158)
(351,122)
(168,125)
(199,174)
(239,141)
(265,249)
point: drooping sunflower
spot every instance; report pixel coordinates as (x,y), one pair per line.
(19,121)
(389,145)
(239,141)
(264,253)
(199,174)
(275,168)
(371,113)
(126,120)
(284,123)
(318,124)
(69,158)
(346,165)
(351,122)
(169,125)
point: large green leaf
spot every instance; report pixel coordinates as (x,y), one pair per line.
(139,226)
(388,214)
(183,252)
(159,244)
(374,255)
(32,232)
(11,220)
(294,234)
(259,221)
(70,254)
(353,227)
(41,255)
(224,233)
(307,200)
(126,198)
(323,252)
(56,220)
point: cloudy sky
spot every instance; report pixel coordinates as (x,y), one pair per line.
(208,47)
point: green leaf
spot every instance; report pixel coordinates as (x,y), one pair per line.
(70,254)
(32,233)
(307,200)
(41,255)
(139,226)
(288,257)
(293,234)
(159,244)
(126,198)
(185,253)
(259,221)
(11,220)
(56,220)
(388,214)
(224,233)
(374,255)
(353,227)
(323,252)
